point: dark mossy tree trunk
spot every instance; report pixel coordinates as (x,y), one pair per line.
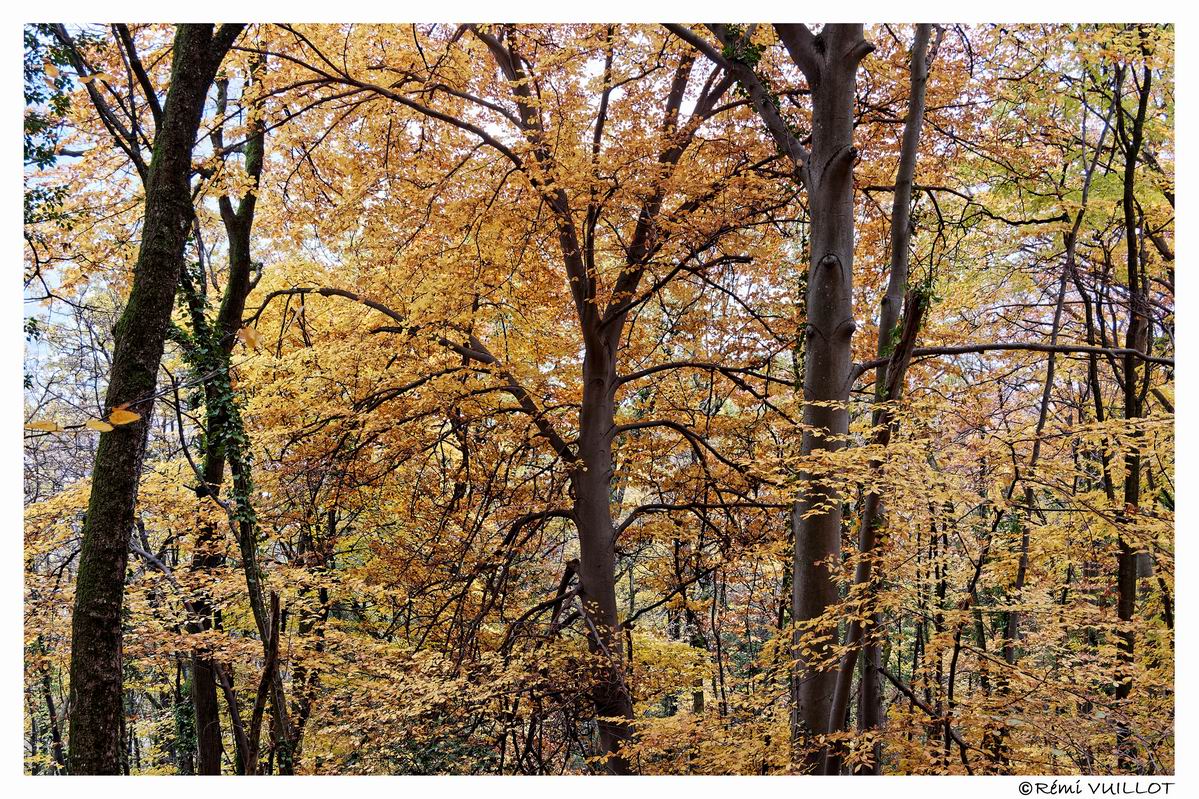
(96,691)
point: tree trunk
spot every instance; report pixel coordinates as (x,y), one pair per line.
(1136,338)
(57,752)
(870,700)
(221,423)
(592,480)
(96,690)
(829,61)
(816,517)
(871,521)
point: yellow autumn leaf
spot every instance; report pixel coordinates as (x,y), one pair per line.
(97,424)
(49,427)
(122,416)
(50,69)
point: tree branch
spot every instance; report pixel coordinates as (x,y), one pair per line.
(967,349)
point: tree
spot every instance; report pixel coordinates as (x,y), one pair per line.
(95,707)
(829,62)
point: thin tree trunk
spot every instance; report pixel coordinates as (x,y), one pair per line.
(1136,338)
(57,752)
(870,714)
(871,520)
(184,745)
(222,424)
(997,743)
